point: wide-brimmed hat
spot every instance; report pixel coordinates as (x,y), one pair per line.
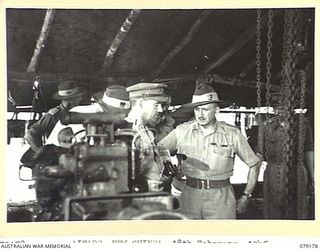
(67,89)
(204,94)
(114,99)
(151,91)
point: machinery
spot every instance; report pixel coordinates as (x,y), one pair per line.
(99,177)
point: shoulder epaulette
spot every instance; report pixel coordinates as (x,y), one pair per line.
(53,111)
(187,123)
(190,121)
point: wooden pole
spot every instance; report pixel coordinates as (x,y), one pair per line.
(28,78)
(216,78)
(195,27)
(246,69)
(126,26)
(41,40)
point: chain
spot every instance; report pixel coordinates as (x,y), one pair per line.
(300,22)
(302,181)
(269,56)
(293,126)
(285,98)
(258,57)
(268,77)
(284,55)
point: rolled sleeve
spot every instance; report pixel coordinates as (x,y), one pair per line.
(244,150)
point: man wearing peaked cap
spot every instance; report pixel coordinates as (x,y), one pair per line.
(210,147)
(70,94)
(149,105)
(152,91)
(150,120)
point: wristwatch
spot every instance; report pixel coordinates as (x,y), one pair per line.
(249,196)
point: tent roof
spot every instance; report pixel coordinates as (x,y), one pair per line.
(218,42)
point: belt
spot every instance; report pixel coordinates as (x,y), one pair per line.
(206,184)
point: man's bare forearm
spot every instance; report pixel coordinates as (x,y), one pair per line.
(252,178)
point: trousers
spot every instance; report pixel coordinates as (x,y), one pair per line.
(215,203)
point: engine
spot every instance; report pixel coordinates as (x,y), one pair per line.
(99,177)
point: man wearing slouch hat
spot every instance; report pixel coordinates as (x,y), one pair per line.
(210,147)
(114,100)
(70,96)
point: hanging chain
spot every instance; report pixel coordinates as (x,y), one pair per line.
(302,201)
(299,37)
(285,99)
(292,81)
(258,57)
(268,75)
(284,55)
(284,81)
(303,80)
(302,180)
(269,56)
(301,117)
(292,185)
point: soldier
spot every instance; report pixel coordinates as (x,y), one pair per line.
(113,100)
(149,107)
(150,120)
(70,95)
(273,146)
(210,147)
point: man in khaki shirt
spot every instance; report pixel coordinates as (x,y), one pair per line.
(150,121)
(210,147)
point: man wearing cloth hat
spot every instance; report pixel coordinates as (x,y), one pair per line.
(151,122)
(114,100)
(70,95)
(210,147)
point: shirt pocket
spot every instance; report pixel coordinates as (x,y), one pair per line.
(221,159)
(224,150)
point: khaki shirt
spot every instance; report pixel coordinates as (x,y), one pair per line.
(216,149)
(43,127)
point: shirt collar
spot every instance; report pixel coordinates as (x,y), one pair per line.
(210,130)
